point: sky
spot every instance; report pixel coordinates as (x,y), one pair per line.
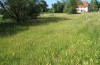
(50,2)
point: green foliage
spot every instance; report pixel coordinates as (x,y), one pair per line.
(54,7)
(57,7)
(71,6)
(1,11)
(94,5)
(99,5)
(49,10)
(21,10)
(43,5)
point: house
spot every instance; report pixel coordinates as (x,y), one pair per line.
(83,7)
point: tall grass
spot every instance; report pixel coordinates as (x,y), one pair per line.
(54,39)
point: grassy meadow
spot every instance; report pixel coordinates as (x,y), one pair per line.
(52,39)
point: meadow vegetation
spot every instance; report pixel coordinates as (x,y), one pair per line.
(52,39)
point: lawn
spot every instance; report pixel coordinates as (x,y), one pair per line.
(52,39)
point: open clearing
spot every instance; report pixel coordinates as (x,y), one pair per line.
(53,39)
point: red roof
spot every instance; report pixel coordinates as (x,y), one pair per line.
(83,4)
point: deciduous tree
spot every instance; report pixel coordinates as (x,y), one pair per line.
(44,6)
(71,6)
(94,5)
(20,10)
(58,7)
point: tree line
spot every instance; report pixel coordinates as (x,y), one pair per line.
(23,10)
(69,6)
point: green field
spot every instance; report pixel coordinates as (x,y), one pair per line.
(52,39)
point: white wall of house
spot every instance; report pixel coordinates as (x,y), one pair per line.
(82,9)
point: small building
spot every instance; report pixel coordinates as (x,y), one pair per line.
(83,7)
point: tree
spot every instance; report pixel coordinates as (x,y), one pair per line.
(20,10)
(71,6)
(54,7)
(99,5)
(94,5)
(60,7)
(43,6)
(64,1)
(57,7)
